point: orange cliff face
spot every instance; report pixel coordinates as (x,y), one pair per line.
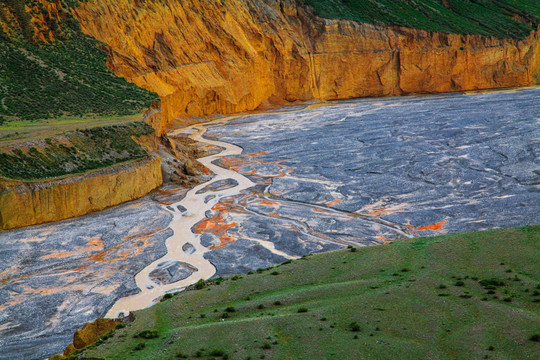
(39,21)
(228,56)
(31,203)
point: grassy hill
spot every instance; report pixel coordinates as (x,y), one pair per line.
(75,152)
(499,18)
(49,69)
(463,296)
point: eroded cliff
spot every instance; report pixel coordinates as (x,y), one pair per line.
(228,56)
(29,203)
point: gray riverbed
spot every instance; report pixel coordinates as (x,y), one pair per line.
(353,173)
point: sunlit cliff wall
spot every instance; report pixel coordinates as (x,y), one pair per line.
(30,203)
(205,57)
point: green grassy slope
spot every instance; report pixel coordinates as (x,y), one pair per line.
(464,296)
(500,18)
(49,69)
(74,153)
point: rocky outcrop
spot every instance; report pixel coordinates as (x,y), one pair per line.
(89,335)
(228,56)
(30,203)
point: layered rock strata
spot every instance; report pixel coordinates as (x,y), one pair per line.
(30,203)
(228,56)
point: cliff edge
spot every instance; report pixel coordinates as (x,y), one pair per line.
(229,56)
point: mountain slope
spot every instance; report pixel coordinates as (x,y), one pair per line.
(50,69)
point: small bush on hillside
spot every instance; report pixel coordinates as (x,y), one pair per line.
(200,284)
(147,334)
(492,282)
(139,346)
(217,352)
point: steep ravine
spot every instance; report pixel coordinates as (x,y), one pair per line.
(206,57)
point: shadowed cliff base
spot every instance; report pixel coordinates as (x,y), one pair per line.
(205,57)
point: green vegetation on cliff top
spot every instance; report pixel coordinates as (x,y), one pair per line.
(74,153)
(49,69)
(499,18)
(462,296)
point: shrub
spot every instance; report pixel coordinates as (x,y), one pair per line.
(217,352)
(266,345)
(147,334)
(354,326)
(275,273)
(200,284)
(139,346)
(535,338)
(459,283)
(491,282)
(302,310)
(230,309)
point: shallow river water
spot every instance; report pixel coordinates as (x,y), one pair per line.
(302,180)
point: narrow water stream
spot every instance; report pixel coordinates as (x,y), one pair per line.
(182,223)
